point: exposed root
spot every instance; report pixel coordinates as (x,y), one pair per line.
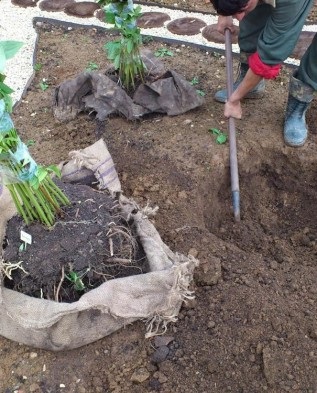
(7,268)
(60,284)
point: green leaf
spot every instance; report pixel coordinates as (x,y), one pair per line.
(163,52)
(116,62)
(10,48)
(37,66)
(34,182)
(30,142)
(194,81)
(92,66)
(112,48)
(221,139)
(200,93)
(8,103)
(214,131)
(54,169)
(41,174)
(110,17)
(129,46)
(43,86)
(2,60)
(7,50)
(5,89)
(22,247)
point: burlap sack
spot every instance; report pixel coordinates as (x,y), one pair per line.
(155,297)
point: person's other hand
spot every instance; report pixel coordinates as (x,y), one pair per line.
(225,22)
(233,109)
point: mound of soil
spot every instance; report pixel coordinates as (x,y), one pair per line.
(252,326)
(89,244)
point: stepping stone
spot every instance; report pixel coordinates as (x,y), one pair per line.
(82,9)
(25,3)
(54,5)
(211,34)
(186,26)
(149,20)
(303,43)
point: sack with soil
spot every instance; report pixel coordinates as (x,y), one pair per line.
(164,91)
(101,266)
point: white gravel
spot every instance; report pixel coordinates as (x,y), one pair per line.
(16,23)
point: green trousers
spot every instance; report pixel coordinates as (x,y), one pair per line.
(274,32)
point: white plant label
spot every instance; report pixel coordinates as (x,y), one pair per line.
(26,237)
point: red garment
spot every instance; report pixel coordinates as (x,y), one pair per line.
(265,70)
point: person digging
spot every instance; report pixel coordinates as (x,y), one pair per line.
(268,32)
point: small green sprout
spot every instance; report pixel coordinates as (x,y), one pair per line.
(221,137)
(163,52)
(30,142)
(22,247)
(76,280)
(43,85)
(38,66)
(194,81)
(92,66)
(200,93)
(146,39)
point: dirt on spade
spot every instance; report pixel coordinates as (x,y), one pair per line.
(252,327)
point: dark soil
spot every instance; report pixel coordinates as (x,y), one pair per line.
(89,244)
(252,327)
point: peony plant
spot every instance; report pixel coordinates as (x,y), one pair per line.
(125,52)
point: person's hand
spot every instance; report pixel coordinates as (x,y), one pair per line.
(233,109)
(225,22)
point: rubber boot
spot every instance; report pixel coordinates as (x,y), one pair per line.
(256,92)
(299,99)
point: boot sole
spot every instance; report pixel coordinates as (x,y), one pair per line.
(294,145)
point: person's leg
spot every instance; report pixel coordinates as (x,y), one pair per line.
(307,71)
(250,28)
(302,86)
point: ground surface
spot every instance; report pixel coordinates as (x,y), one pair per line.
(252,327)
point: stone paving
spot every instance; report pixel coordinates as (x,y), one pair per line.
(17,18)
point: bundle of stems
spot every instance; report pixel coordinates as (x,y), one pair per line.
(33,191)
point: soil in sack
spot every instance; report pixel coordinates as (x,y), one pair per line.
(88,245)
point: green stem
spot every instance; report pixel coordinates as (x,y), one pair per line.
(38,208)
(26,204)
(52,187)
(48,191)
(17,203)
(49,198)
(47,209)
